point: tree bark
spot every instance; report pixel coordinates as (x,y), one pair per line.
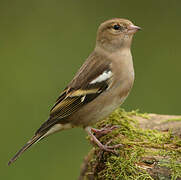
(160,149)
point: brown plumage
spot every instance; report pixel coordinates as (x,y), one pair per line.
(101,84)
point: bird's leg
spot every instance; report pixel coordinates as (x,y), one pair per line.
(103,131)
(101,146)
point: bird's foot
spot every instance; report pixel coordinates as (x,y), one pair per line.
(103,131)
(94,139)
(110,148)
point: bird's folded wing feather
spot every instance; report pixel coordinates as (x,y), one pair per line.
(93,78)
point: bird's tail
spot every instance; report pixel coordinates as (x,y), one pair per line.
(33,140)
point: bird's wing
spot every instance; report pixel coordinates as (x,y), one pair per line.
(93,78)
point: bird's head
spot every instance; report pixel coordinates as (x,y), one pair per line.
(115,34)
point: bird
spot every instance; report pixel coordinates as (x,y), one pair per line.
(100,86)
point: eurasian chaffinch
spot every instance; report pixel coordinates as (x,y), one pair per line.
(99,87)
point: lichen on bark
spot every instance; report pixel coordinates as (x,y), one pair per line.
(150,148)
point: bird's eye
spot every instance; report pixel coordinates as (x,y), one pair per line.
(117,27)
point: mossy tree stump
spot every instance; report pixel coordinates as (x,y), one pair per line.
(151,149)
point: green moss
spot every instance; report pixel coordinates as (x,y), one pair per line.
(137,144)
(173,165)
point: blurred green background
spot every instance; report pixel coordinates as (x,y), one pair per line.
(43,43)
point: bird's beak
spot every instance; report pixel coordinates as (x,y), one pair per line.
(133,29)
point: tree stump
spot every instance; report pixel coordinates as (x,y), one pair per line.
(151,148)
